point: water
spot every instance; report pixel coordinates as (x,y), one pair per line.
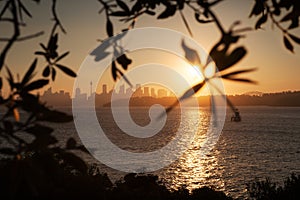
(265,144)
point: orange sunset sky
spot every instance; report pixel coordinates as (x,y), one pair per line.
(278,69)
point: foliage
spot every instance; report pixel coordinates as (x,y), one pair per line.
(262,190)
(225,53)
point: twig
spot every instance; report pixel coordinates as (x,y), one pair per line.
(24,37)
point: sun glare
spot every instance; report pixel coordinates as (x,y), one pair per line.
(210,70)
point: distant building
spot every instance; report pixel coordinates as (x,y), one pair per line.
(153,93)
(104,89)
(162,93)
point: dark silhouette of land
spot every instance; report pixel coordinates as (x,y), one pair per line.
(147,96)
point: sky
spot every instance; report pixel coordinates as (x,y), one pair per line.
(278,69)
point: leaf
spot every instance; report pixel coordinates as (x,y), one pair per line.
(223,62)
(168,12)
(10,78)
(288,44)
(119,14)
(197,16)
(40,53)
(62,56)
(29,72)
(43,46)
(190,92)
(36,85)
(53,74)
(258,8)
(136,7)
(1,83)
(124,61)
(52,43)
(125,78)
(261,21)
(193,90)
(190,54)
(237,72)
(149,12)
(114,70)
(66,70)
(294,38)
(123,6)
(71,143)
(241,80)
(46,71)
(109,28)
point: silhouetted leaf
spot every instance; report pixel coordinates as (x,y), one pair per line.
(261,21)
(123,6)
(124,61)
(193,90)
(10,78)
(136,7)
(190,92)
(294,38)
(66,70)
(125,78)
(109,28)
(288,44)
(46,71)
(1,83)
(43,46)
(168,12)
(287,17)
(119,14)
(240,80)
(53,74)
(71,143)
(40,53)
(52,43)
(237,72)
(197,16)
(190,54)
(149,12)
(223,61)
(36,85)
(29,72)
(258,8)
(62,56)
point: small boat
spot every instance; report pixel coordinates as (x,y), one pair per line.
(236,117)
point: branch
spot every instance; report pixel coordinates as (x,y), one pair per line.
(56,19)
(14,37)
(24,38)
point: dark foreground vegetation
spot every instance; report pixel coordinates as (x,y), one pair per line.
(45,177)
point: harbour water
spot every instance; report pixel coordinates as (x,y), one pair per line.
(264,144)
